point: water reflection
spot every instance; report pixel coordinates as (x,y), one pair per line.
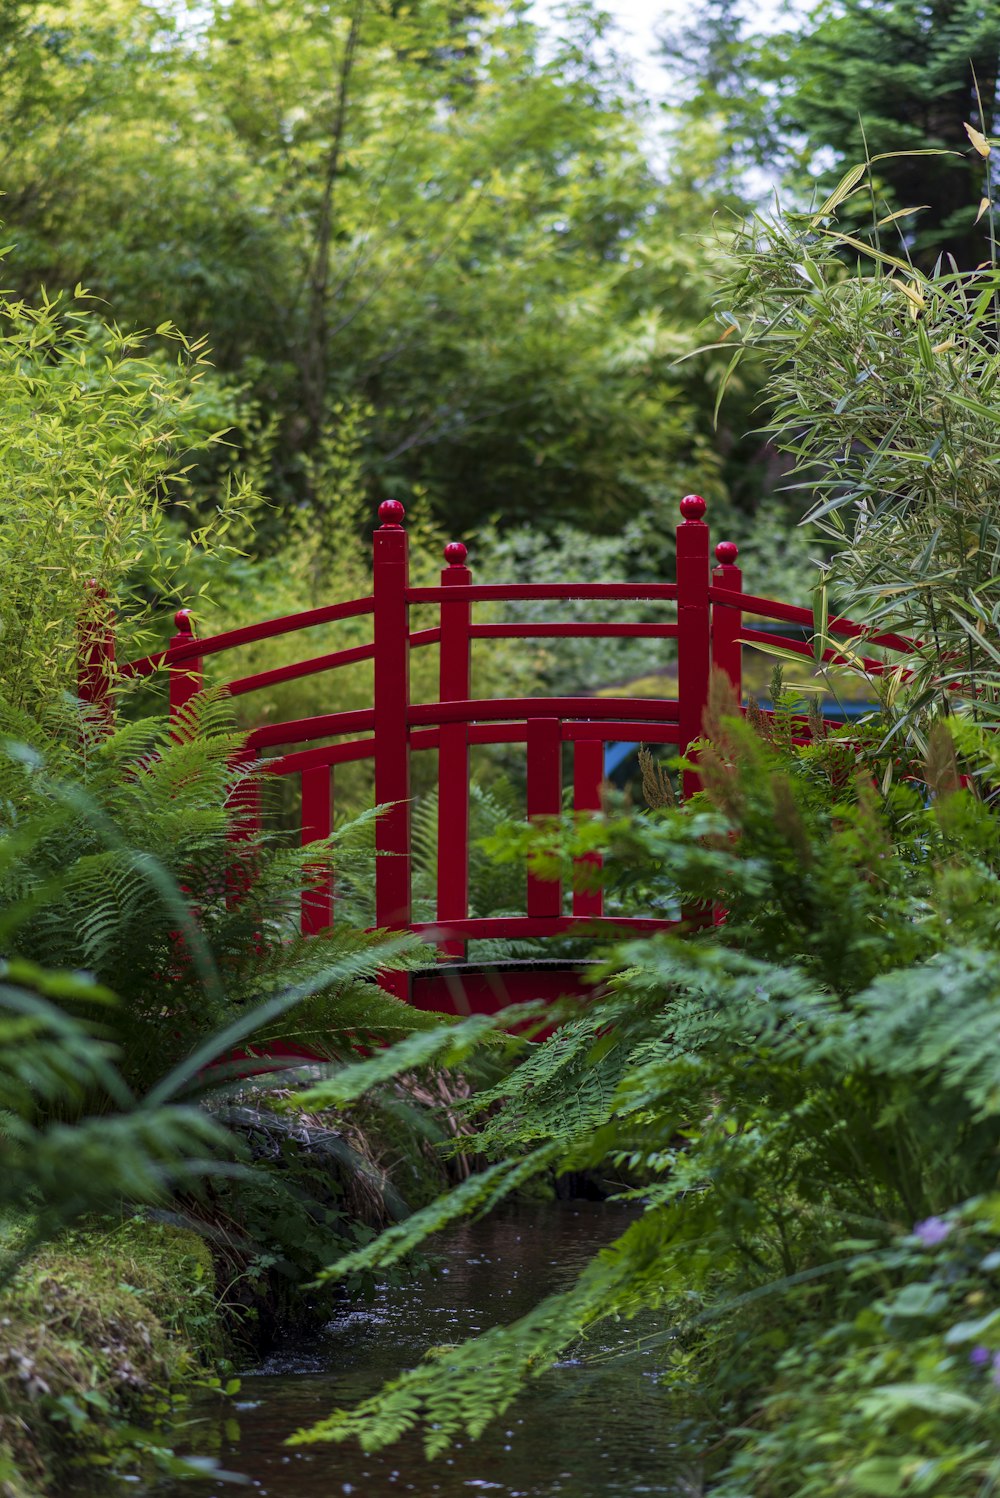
(583,1430)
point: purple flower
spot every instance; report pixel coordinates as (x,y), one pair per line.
(996,1369)
(979,1356)
(932,1231)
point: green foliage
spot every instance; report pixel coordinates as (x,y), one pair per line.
(95,432)
(897,82)
(904,78)
(881,382)
(103,1334)
(898,1394)
(121,861)
(445,220)
(807,1093)
(73,1138)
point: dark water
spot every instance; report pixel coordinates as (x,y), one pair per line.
(602,1426)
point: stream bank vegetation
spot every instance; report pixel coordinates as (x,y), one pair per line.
(146,948)
(810,1089)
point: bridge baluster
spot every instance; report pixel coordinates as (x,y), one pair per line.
(453,753)
(392,701)
(185,677)
(544,800)
(693,627)
(588,776)
(317,823)
(727,623)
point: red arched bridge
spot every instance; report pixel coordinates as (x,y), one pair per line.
(703,612)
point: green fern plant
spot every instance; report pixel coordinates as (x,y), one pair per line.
(119,860)
(74,1139)
(801,1094)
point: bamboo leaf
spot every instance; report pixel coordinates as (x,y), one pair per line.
(843,190)
(978,140)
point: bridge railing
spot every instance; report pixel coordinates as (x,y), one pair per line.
(709,606)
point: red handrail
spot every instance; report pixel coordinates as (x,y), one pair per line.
(516,592)
(247,634)
(490,709)
(769,608)
(711,632)
(582,631)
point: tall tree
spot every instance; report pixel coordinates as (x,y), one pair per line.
(857,79)
(871,77)
(419,212)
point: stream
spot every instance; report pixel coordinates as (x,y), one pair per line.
(603,1427)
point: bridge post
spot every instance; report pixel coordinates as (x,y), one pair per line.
(693,627)
(390,558)
(544,800)
(96,657)
(185,677)
(727,622)
(588,777)
(453,752)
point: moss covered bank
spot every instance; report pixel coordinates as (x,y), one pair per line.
(106,1330)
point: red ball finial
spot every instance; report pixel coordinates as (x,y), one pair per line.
(184,622)
(692,507)
(455,553)
(391,513)
(726,553)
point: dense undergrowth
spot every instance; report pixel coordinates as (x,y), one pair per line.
(810,1092)
(109,1328)
(149,936)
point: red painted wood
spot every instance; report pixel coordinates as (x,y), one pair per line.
(317,823)
(247,634)
(544,800)
(96,658)
(617,731)
(709,630)
(485,709)
(526,927)
(279,674)
(787,613)
(588,777)
(574,631)
(185,678)
(327,726)
(455,685)
(727,652)
(508,592)
(463,991)
(326,754)
(693,620)
(392,700)
(612,730)
(318,663)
